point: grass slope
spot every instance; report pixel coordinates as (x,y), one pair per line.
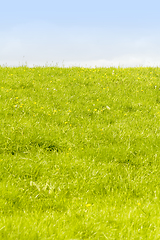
(79,153)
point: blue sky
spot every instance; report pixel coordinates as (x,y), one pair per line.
(80,33)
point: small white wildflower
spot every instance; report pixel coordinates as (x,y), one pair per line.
(108,107)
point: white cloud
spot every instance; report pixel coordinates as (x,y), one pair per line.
(47,44)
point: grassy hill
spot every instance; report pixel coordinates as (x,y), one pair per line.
(79,153)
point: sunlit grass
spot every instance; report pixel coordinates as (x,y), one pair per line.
(79,153)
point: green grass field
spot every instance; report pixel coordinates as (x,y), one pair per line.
(79,153)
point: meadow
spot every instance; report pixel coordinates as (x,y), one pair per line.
(79,153)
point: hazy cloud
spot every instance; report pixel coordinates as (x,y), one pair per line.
(42,43)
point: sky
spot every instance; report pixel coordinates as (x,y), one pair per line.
(85,33)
